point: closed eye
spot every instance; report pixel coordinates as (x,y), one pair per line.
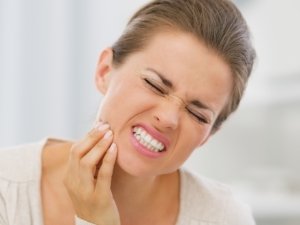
(197,116)
(154,87)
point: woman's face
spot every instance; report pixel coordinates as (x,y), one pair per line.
(162,101)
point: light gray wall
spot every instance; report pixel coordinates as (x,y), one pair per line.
(48,54)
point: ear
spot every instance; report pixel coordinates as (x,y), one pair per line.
(103,70)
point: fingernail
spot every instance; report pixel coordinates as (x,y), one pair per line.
(107,134)
(112,148)
(102,127)
(97,123)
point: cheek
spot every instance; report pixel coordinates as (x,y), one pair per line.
(202,136)
(112,109)
(120,104)
(196,135)
(108,107)
(189,143)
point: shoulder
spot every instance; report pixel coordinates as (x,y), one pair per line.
(20,163)
(20,172)
(209,200)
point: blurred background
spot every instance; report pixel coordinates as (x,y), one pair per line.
(48,53)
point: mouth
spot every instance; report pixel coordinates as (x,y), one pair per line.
(147,140)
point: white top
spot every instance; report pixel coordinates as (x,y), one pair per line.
(202,201)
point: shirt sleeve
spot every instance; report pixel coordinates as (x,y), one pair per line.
(79,221)
(3,216)
(239,213)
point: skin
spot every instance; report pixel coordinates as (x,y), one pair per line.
(123,174)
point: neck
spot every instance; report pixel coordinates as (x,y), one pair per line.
(125,186)
(144,195)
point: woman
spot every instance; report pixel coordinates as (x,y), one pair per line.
(170,81)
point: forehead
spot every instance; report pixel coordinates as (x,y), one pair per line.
(195,70)
(181,51)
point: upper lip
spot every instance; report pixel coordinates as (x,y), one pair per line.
(155,134)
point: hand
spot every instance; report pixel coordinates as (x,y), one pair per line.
(88,177)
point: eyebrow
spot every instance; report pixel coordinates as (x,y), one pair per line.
(170,85)
(165,81)
(201,105)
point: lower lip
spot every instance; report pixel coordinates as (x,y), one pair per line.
(143,150)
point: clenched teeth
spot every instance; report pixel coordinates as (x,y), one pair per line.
(147,140)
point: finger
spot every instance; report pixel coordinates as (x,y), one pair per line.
(72,179)
(88,142)
(89,162)
(106,170)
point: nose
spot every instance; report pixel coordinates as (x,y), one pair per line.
(167,114)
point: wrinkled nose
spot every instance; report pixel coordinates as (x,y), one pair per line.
(167,115)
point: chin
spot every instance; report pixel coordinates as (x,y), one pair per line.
(136,169)
(133,169)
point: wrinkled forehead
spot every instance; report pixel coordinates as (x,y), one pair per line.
(195,70)
(189,63)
